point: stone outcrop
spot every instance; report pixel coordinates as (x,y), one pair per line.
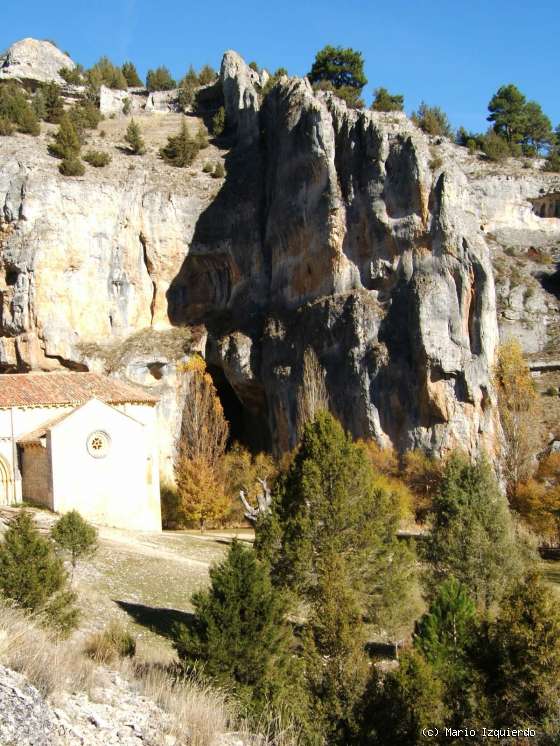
(348,231)
(34,61)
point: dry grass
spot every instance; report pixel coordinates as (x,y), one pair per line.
(110,644)
(49,664)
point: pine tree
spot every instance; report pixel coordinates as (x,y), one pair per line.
(398,705)
(207,75)
(187,87)
(524,675)
(219,122)
(32,575)
(432,120)
(473,536)
(54,108)
(385,101)
(160,80)
(240,636)
(66,143)
(181,149)
(342,68)
(134,138)
(75,536)
(131,75)
(507,112)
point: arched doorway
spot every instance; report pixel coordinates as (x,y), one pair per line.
(6,485)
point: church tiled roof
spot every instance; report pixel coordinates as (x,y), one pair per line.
(52,389)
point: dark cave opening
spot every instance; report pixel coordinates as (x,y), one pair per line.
(249,427)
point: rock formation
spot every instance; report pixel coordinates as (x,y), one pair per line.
(34,61)
(348,231)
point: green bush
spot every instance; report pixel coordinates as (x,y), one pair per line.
(38,104)
(127,105)
(187,87)
(73,534)
(219,171)
(134,138)
(7,128)
(207,75)
(385,101)
(97,158)
(219,122)
(111,644)
(72,167)
(207,168)
(32,576)
(73,76)
(66,141)
(160,80)
(85,116)
(15,108)
(54,108)
(432,120)
(182,149)
(495,148)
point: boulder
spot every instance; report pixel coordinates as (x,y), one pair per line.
(35,61)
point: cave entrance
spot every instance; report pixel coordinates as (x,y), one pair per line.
(246,426)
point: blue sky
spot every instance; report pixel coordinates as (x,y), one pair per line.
(448,53)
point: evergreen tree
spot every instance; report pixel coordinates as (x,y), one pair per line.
(524,671)
(53,104)
(134,138)
(207,75)
(38,104)
(473,538)
(72,167)
(385,101)
(329,504)
(130,73)
(32,575)
(75,536)
(537,133)
(445,635)
(105,73)
(507,112)
(432,120)
(160,80)
(219,122)
(240,636)
(343,68)
(553,157)
(187,87)
(66,143)
(400,704)
(181,149)
(15,108)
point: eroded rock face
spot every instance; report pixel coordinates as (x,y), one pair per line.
(335,229)
(35,61)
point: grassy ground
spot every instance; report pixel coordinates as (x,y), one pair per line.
(143,580)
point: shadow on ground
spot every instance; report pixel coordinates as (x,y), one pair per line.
(156,619)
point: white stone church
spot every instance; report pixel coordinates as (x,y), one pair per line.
(80,441)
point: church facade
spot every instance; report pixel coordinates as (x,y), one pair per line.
(80,441)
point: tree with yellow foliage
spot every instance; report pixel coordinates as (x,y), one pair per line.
(519,406)
(538,500)
(204,433)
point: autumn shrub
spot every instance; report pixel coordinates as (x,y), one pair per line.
(245,471)
(202,497)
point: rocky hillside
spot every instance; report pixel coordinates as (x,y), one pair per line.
(348,231)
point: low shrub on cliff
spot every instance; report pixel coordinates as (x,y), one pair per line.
(7,128)
(182,149)
(72,167)
(66,142)
(15,108)
(432,120)
(97,158)
(134,138)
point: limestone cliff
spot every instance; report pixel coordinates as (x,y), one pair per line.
(348,231)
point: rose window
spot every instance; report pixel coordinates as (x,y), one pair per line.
(98,444)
